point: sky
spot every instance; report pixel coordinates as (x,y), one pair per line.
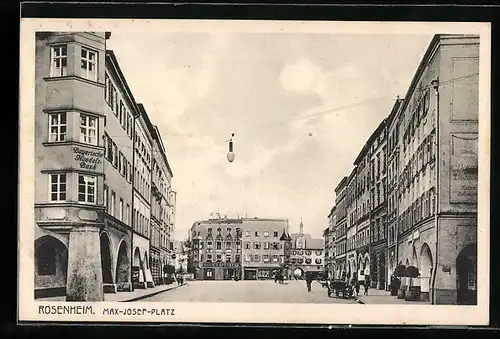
(301,106)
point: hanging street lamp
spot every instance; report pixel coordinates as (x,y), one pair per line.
(230,153)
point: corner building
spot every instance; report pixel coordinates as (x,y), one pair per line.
(69,164)
(437,191)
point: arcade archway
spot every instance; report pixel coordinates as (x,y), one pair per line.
(467,276)
(106,263)
(51,260)
(122,264)
(425,269)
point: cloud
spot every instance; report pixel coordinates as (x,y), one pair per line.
(301,76)
(300,105)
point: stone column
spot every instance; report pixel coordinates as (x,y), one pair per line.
(84,265)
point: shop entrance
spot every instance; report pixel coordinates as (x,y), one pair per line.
(250,274)
(229,273)
(209,274)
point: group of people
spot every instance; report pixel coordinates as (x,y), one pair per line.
(279,277)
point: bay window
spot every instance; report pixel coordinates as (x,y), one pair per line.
(88,129)
(59,64)
(87,188)
(57,127)
(58,187)
(89,64)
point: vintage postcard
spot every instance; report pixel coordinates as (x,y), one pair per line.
(254,171)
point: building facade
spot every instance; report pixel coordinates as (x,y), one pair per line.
(249,248)
(340,229)
(362,196)
(160,209)
(307,254)
(392,184)
(330,248)
(121,111)
(378,197)
(438,140)
(351,207)
(423,179)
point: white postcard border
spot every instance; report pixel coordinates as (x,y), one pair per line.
(29,309)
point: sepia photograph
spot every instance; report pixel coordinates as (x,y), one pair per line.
(179,164)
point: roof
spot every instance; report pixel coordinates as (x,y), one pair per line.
(311,243)
(341,184)
(157,136)
(421,67)
(112,61)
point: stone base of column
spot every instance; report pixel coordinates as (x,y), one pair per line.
(150,284)
(109,288)
(84,282)
(140,286)
(124,287)
(424,296)
(445,297)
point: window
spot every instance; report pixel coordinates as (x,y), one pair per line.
(247,245)
(58,187)
(266,234)
(86,188)
(256,245)
(275,234)
(120,210)
(228,257)
(247,233)
(266,245)
(219,257)
(308,261)
(112,203)
(247,257)
(106,207)
(256,233)
(59,61)
(115,155)
(209,244)
(265,258)
(57,127)
(219,245)
(256,258)
(89,64)
(122,113)
(228,244)
(127,214)
(237,258)
(88,129)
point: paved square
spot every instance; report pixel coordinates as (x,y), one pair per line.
(263,291)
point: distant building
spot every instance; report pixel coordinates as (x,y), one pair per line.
(307,253)
(251,248)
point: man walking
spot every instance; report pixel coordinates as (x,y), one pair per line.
(308,281)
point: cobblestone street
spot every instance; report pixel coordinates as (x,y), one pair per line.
(248,291)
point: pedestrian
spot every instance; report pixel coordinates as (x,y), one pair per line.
(308,281)
(367,284)
(355,284)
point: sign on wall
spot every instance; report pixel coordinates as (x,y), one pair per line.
(463,168)
(88,159)
(221,264)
